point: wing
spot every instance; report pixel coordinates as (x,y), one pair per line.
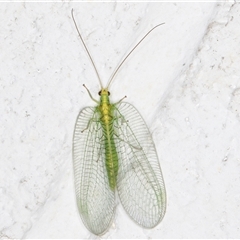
(95,199)
(140,183)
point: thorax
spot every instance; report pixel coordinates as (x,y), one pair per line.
(105,108)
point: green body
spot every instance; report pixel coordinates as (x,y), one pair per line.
(106,109)
(113,150)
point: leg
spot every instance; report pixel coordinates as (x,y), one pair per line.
(91,95)
(87,125)
(120,100)
(123,120)
(93,119)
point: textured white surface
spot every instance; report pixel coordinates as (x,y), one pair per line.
(184,79)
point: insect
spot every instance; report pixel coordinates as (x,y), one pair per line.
(113,151)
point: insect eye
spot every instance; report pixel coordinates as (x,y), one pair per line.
(99,93)
(108,93)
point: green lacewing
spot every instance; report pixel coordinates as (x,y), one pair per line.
(113,151)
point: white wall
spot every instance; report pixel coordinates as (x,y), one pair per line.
(184,79)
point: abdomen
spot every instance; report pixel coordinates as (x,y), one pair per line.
(111,158)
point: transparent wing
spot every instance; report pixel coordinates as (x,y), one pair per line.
(140,183)
(95,199)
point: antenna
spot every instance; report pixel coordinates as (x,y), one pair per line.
(86,49)
(119,66)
